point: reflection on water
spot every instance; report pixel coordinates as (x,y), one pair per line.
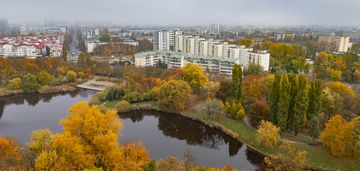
(209,146)
(21,114)
(163,134)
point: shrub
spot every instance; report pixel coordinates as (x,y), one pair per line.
(45,78)
(82,75)
(174,95)
(268,134)
(133,96)
(30,83)
(98,98)
(258,111)
(288,158)
(235,110)
(71,76)
(114,93)
(123,106)
(14,84)
(214,106)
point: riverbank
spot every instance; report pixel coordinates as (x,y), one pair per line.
(43,90)
(318,157)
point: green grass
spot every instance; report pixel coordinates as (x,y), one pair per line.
(110,104)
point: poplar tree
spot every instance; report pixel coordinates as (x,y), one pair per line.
(315,97)
(293,80)
(274,97)
(300,107)
(284,103)
(237,82)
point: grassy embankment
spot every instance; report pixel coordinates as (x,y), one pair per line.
(318,157)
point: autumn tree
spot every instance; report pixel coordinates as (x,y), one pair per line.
(268,134)
(11,155)
(194,74)
(235,110)
(288,158)
(174,95)
(258,111)
(71,76)
(14,84)
(334,135)
(237,81)
(89,140)
(45,78)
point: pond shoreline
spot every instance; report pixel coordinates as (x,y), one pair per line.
(43,90)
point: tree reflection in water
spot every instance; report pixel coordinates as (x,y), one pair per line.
(193,132)
(34,98)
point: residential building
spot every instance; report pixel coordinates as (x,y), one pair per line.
(165,40)
(334,44)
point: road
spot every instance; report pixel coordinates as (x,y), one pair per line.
(74,48)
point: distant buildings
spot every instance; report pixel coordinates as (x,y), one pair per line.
(177,49)
(334,44)
(90,45)
(43,45)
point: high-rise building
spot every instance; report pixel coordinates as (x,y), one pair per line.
(165,40)
(334,44)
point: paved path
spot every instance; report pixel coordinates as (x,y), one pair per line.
(96,85)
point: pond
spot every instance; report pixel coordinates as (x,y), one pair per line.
(163,134)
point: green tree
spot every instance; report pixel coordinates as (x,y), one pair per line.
(237,81)
(300,107)
(71,76)
(174,95)
(196,77)
(315,98)
(30,83)
(284,103)
(275,97)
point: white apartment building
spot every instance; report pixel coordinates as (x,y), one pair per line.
(92,44)
(165,40)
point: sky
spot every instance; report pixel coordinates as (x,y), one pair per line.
(186,12)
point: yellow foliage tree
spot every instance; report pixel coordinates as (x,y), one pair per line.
(194,74)
(268,134)
(334,135)
(90,140)
(11,157)
(341,88)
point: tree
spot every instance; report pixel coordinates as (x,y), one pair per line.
(11,157)
(214,106)
(174,95)
(315,98)
(341,88)
(314,127)
(71,76)
(254,69)
(334,135)
(89,140)
(283,103)
(123,106)
(40,141)
(297,121)
(288,159)
(353,138)
(275,97)
(133,96)
(194,74)
(237,81)
(258,111)
(246,42)
(268,134)
(45,78)
(235,110)
(114,93)
(14,84)
(30,83)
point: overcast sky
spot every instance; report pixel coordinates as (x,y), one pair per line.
(186,12)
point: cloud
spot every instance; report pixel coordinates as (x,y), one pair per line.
(186,12)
